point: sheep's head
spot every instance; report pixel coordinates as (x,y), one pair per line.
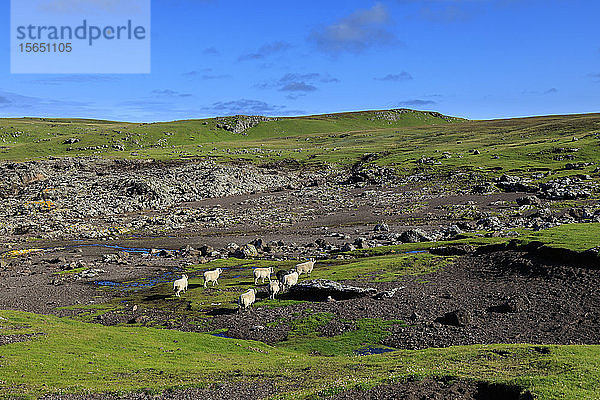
(312,259)
(219,270)
(271,270)
(184,276)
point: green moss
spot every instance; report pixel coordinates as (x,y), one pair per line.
(309,325)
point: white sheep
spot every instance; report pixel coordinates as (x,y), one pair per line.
(290,280)
(305,267)
(262,273)
(246,299)
(212,276)
(273,289)
(180,285)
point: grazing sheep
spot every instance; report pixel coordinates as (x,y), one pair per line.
(280,274)
(305,267)
(273,289)
(180,285)
(246,299)
(290,280)
(212,276)
(262,273)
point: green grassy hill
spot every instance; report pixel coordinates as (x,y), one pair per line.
(25,138)
(407,140)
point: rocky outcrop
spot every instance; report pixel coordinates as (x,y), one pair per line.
(239,124)
(321,289)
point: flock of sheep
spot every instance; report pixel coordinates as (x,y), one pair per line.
(285,280)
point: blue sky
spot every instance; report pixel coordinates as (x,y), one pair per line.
(477,59)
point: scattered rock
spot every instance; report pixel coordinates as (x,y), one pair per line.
(415,236)
(529,200)
(388,294)
(381,227)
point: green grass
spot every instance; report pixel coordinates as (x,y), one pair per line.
(385,268)
(575,237)
(304,337)
(71,356)
(41,137)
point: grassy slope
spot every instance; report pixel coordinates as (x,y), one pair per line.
(515,144)
(72,356)
(35,137)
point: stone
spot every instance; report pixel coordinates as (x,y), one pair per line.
(381,227)
(459,318)
(512,305)
(490,223)
(414,236)
(348,247)
(361,243)
(232,249)
(246,251)
(206,250)
(529,200)
(258,243)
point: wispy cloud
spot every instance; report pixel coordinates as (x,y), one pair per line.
(205,74)
(298,87)
(169,93)
(211,51)
(299,82)
(266,50)
(247,107)
(402,76)
(207,77)
(356,32)
(14,104)
(536,92)
(416,103)
(595,76)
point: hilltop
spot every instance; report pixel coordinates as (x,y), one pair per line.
(42,137)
